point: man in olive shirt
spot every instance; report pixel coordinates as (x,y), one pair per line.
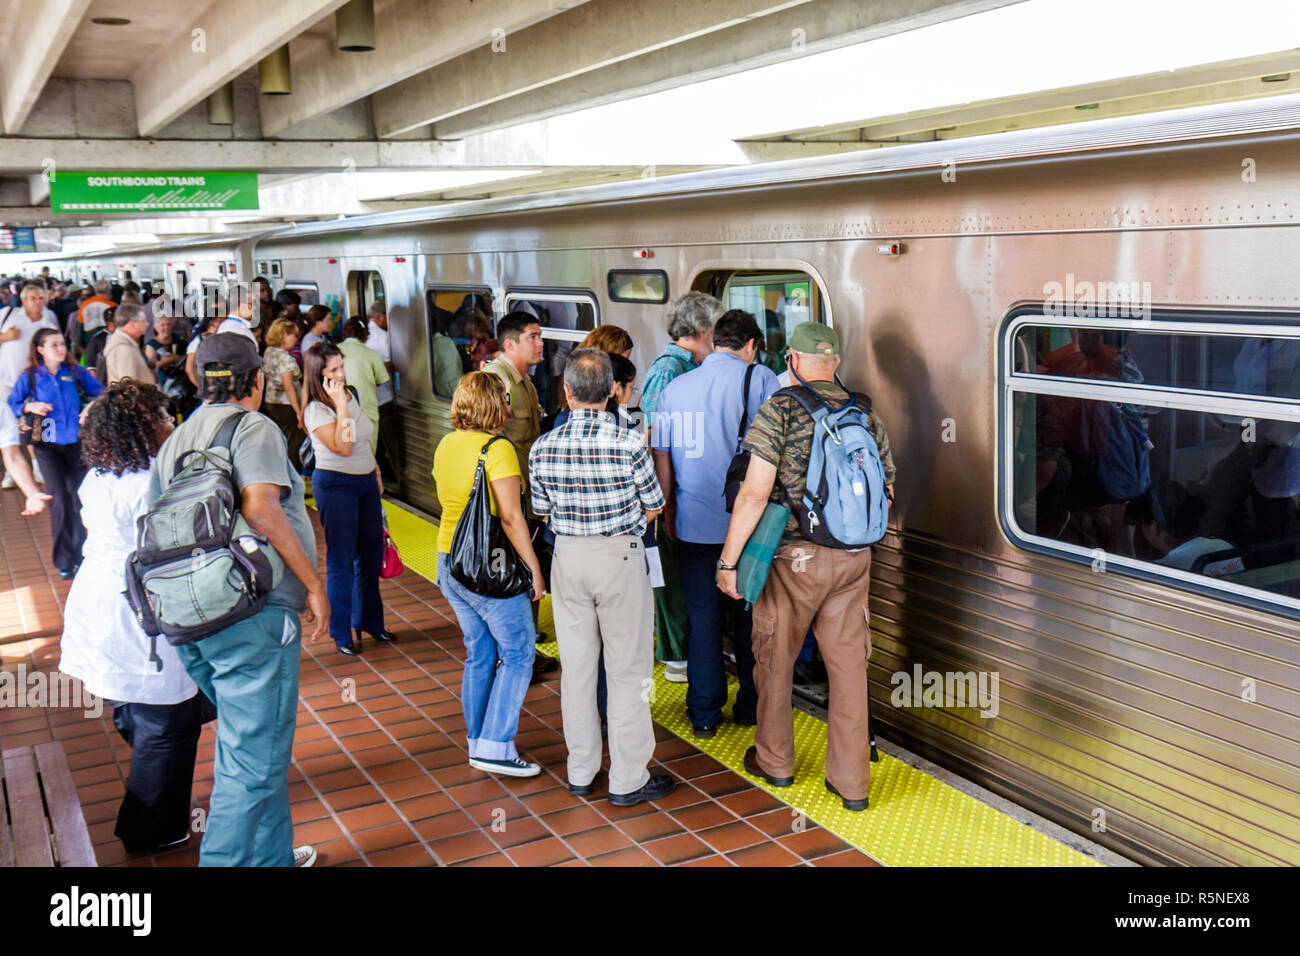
(808,584)
(522,348)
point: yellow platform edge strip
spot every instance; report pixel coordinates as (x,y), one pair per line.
(914,819)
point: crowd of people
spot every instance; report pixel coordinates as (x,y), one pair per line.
(615,507)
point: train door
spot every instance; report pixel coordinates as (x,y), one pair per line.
(365,287)
(780,300)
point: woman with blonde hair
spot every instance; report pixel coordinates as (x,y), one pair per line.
(281,402)
(494,628)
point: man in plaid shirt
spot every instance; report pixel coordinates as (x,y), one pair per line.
(596,481)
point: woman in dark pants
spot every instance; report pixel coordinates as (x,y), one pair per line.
(156,706)
(347,488)
(53,387)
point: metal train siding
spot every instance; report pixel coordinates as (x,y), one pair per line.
(1121,711)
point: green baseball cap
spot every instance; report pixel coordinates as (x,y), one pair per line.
(813,338)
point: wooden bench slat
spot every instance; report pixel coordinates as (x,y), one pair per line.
(71,835)
(26,810)
(6,841)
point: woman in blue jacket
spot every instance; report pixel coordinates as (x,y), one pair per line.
(53,387)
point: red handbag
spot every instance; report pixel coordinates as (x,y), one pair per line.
(391,566)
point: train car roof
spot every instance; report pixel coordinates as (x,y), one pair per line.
(173,245)
(1271,115)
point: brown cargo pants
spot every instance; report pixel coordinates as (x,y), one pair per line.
(826,588)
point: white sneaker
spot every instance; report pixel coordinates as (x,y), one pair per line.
(36,472)
(8,482)
(513,767)
(675,671)
(304,855)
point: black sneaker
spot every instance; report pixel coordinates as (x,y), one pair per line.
(659,785)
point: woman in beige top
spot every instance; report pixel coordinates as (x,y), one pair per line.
(282,401)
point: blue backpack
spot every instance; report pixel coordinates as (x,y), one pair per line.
(1124,469)
(844,503)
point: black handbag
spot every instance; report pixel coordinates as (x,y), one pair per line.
(482,558)
(740,463)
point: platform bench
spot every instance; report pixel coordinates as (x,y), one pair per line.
(41,823)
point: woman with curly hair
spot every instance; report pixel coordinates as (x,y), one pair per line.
(157,708)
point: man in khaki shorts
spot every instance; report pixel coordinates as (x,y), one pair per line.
(597,482)
(808,585)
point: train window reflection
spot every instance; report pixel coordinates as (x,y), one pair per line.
(638,285)
(308,292)
(460,335)
(1197,491)
(780,301)
(1244,365)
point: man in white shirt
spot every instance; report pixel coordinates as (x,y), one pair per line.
(240,319)
(389,451)
(17,326)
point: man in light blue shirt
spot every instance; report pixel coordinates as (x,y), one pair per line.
(697,428)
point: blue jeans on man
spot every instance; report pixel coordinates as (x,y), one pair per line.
(495,629)
(250,671)
(706,689)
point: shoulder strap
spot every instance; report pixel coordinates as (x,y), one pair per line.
(744,401)
(222,439)
(482,452)
(9,311)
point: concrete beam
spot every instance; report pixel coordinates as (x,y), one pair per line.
(410,36)
(1165,89)
(234,35)
(38,31)
(814,27)
(594,35)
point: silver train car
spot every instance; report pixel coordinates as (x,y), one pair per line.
(1083,341)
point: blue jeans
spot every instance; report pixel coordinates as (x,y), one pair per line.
(353,517)
(250,671)
(706,689)
(495,629)
(808,653)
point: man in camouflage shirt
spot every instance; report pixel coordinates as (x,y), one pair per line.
(809,584)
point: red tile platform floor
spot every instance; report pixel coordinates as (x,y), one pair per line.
(380,774)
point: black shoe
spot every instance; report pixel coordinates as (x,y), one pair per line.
(386,636)
(848,804)
(752,767)
(659,785)
(580,790)
(542,664)
(350,649)
(704,733)
(541,638)
(66,573)
(742,721)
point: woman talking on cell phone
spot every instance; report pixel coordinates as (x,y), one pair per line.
(47,401)
(347,488)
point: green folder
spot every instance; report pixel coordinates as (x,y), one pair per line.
(756,558)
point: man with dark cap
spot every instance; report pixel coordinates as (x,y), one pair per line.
(250,669)
(808,585)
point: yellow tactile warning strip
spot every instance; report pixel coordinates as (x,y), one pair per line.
(914,819)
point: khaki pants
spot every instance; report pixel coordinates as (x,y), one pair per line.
(600,593)
(828,589)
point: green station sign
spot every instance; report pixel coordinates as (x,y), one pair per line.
(172,191)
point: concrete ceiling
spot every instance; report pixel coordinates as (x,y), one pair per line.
(450,86)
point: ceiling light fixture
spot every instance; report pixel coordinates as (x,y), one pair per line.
(110,21)
(355,24)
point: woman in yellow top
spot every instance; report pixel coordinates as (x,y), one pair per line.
(494,628)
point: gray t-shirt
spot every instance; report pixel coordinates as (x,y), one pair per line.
(260,456)
(362,459)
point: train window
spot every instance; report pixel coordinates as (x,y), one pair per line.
(1167,448)
(213,302)
(460,327)
(638,285)
(780,300)
(565,318)
(308,292)
(364,288)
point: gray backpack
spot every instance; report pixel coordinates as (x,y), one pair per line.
(198,566)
